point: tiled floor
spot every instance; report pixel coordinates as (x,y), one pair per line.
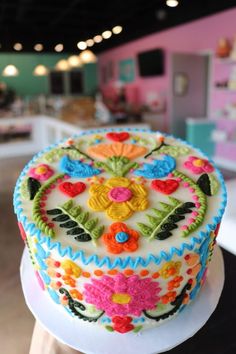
(16,321)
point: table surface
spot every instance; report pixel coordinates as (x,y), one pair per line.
(218,336)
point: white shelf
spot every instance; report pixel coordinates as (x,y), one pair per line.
(225,89)
(227,61)
(45,131)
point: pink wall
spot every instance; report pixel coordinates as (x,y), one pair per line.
(197,36)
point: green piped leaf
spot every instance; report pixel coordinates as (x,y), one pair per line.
(137,328)
(174,151)
(161,227)
(83,228)
(109,328)
(56,154)
(68,205)
(90,224)
(118,166)
(166,207)
(145,229)
(160,214)
(153,221)
(83,217)
(75,211)
(97,232)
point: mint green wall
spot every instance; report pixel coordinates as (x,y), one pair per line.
(26,84)
(90,79)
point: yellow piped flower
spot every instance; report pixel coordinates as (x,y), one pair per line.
(119,197)
(71,268)
(170,269)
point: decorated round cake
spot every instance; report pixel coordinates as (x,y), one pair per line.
(120,225)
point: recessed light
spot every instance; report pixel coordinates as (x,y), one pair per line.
(18,47)
(74,61)
(62,65)
(172,3)
(59,47)
(117,29)
(38,47)
(10,70)
(97,38)
(106,34)
(40,70)
(87,56)
(81,45)
(90,42)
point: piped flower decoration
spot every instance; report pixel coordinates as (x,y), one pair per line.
(77,168)
(104,151)
(170,269)
(120,239)
(158,168)
(197,165)
(121,295)
(41,172)
(122,324)
(118,197)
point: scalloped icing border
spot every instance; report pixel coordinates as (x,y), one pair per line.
(107,261)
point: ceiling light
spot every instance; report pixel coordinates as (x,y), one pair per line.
(172,3)
(161,14)
(87,56)
(81,45)
(117,29)
(90,42)
(40,70)
(74,61)
(18,47)
(106,34)
(59,47)
(62,65)
(10,70)
(97,39)
(38,47)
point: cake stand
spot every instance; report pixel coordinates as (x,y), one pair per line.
(94,340)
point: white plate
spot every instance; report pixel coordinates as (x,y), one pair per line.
(93,340)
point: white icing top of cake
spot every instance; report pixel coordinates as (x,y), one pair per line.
(188,161)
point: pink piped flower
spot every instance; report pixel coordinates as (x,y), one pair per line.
(197,165)
(42,172)
(121,295)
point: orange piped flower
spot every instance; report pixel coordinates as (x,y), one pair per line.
(175,283)
(104,151)
(168,297)
(120,238)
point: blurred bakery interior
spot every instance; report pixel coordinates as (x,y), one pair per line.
(65,67)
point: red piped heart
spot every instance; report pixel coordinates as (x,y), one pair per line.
(122,324)
(118,136)
(166,187)
(72,189)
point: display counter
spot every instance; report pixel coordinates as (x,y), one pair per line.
(27,135)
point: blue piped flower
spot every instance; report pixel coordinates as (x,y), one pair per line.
(76,168)
(158,169)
